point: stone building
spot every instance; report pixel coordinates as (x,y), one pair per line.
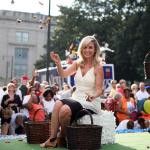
(22,40)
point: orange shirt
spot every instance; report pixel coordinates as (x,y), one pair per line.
(122,116)
(40,115)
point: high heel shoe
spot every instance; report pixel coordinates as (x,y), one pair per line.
(61,142)
(49,143)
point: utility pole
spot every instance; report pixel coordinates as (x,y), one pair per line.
(48,43)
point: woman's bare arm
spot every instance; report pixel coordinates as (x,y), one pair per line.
(99,74)
(63,72)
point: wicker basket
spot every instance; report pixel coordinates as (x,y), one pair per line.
(84,137)
(147,66)
(37,132)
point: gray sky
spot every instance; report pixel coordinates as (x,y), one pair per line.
(34,6)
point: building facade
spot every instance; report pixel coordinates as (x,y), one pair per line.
(23,39)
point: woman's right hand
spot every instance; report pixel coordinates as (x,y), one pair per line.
(55,57)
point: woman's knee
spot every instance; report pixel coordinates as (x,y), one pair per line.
(58,105)
(65,111)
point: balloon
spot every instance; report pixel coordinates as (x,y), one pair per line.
(147,106)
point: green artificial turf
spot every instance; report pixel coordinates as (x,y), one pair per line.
(127,141)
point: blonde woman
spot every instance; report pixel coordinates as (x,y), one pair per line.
(10,99)
(88,82)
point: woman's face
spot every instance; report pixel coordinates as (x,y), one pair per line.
(127,93)
(11,89)
(35,99)
(89,50)
(48,97)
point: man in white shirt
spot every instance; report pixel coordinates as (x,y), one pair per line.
(142,93)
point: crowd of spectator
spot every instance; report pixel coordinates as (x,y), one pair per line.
(127,102)
(18,103)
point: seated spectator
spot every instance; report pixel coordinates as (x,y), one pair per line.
(127,107)
(113,88)
(48,101)
(134,89)
(112,104)
(25,102)
(123,85)
(16,124)
(33,106)
(10,99)
(17,90)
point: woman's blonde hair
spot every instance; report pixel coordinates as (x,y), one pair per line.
(84,42)
(11,85)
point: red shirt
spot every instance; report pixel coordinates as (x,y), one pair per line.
(39,116)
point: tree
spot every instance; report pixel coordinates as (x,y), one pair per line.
(124,24)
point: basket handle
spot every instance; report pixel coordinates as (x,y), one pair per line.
(38,111)
(88,112)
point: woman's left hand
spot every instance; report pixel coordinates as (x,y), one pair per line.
(89,98)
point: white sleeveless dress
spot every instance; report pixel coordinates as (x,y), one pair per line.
(86,84)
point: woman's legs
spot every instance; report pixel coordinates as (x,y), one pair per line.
(64,119)
(55,124)
(5,128)
(51,142)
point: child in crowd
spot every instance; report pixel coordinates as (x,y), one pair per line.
(5,120)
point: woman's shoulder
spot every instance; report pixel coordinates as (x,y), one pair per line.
(98,68)
(5,96)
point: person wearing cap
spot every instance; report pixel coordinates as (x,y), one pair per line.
(23,86)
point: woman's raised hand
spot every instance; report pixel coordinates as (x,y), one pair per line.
(55,57)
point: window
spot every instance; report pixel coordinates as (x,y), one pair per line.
(21,62)
(22,37)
